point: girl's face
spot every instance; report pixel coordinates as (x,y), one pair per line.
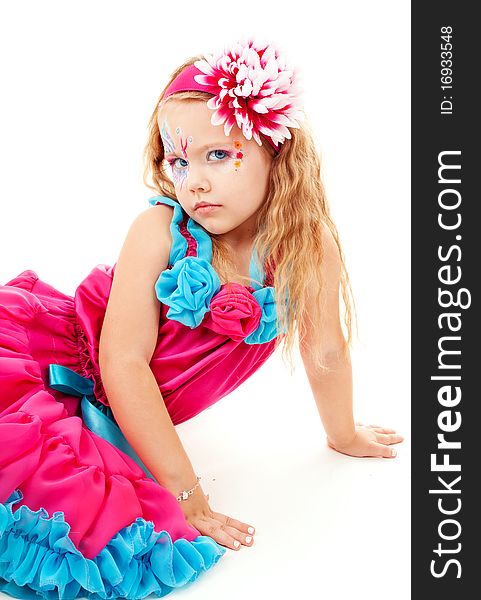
(208,166)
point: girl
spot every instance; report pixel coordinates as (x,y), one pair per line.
(236,254)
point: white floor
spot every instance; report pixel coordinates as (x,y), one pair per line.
(327,525)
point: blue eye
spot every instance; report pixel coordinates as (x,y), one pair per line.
(172,163)
(222,152)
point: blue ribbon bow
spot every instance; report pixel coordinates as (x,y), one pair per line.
(96,416)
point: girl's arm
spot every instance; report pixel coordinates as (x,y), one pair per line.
(140,412)
(127,342)
(332,389)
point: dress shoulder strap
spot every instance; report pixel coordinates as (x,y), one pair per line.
(202,239)
(188,238)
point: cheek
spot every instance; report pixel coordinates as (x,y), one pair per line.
(233,177)
(249,182)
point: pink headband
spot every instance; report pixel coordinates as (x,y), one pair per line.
(252,86)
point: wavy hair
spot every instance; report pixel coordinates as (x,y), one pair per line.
(289,231)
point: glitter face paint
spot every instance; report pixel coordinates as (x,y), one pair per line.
(178,175)
(181,175)
(183,147)
(169,145)
(238,155)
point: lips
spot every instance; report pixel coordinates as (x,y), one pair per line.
(205,206)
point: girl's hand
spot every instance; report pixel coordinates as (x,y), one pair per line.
(369,440)
(225,530)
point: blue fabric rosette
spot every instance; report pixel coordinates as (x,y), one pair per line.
(188,289)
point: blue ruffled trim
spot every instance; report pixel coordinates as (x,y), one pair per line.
(39,560)
(203,239)
(267,329)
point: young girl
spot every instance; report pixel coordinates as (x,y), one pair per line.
(236,254)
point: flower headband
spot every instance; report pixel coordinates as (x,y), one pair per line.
(252,86)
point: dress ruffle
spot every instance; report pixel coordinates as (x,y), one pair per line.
(39,560)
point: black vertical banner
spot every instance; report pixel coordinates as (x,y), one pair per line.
(446,331)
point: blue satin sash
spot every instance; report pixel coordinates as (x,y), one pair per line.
(96,416)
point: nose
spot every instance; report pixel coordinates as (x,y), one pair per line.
(197,180)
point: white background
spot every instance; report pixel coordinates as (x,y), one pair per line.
(80,81)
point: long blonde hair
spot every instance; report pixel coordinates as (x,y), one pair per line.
(289,228)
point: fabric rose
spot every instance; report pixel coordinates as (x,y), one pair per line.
(234,312)
(188,289)
(267,328)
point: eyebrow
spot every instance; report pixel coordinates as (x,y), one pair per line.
(223,143)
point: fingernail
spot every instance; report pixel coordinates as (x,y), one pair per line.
(250,529)
(236,543)
(393,452)
(248,539)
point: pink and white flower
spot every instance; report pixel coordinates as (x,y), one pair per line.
(253,87)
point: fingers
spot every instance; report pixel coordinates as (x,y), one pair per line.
(376,427)
(227,531)
(216,531)
(390,438)
(382,429)
(240,531)
(379,429)
(242,538)
(382,450)
(234,523)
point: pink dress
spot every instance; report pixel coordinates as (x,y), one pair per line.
(80,515)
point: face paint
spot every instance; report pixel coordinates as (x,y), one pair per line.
(184,147)
(189,140)
(238,155)
(167,140)
(179,176)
